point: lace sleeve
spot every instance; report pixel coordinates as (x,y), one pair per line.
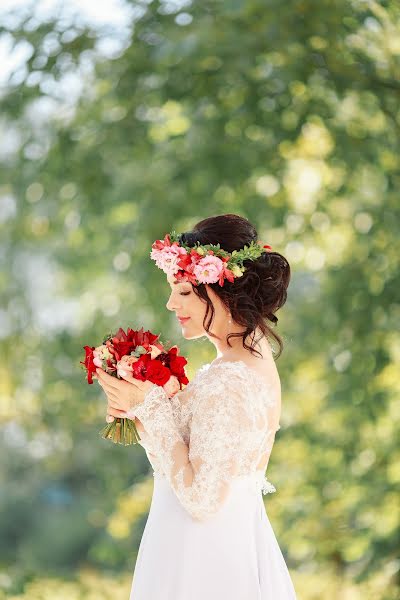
(222,421)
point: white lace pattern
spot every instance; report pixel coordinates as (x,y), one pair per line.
(214,430)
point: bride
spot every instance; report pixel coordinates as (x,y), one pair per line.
(207,535)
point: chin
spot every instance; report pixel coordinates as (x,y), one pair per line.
(189,334)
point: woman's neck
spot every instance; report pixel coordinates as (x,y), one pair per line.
(237,352)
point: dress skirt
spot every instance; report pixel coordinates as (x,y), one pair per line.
(233,555)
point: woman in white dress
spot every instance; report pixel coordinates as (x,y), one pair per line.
(207,535)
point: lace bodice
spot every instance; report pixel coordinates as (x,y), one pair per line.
(219,427)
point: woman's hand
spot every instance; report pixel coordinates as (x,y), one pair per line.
(122,395)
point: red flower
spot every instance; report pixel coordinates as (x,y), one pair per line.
(143,338)
(187,264)
(139,368)
(157,372)
(123,343)
(225,274)
(88,362)
(177,364)
(161,244)
(186,276)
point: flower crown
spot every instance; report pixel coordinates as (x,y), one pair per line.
(202,263)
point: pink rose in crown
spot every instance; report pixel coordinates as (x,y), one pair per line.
(167,256)
(172,386)
(209,269)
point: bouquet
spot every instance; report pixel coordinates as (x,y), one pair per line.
(141,355)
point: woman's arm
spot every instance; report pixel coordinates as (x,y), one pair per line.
(200,473)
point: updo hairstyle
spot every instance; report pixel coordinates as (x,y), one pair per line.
(254,298)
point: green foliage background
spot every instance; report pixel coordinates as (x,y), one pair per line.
(284,112)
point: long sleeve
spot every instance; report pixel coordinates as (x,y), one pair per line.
(223,429)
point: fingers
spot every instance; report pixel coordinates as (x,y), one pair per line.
(115,406)
(106,379)
(109,389)
(135,384)
(123,395)
(113,402)
(110,395)
(112,399)
(119,384)
(115,412)
(128,377)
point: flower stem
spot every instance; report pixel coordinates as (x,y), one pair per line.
(121,431)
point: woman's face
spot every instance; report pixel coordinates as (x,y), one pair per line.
(185,303)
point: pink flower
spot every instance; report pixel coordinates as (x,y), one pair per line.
(97,362)
(124,365)
(209,269)
(101,353)
(154,351)
(172,386)
(167,258)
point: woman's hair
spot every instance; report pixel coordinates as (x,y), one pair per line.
(254,298)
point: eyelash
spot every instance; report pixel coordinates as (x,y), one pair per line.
(184,293)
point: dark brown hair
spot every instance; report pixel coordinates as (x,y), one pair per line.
(254,298)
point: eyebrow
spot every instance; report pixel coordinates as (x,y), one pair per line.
(178,282)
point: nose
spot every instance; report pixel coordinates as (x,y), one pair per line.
(171,304)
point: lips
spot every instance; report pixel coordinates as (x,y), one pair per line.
(183,319)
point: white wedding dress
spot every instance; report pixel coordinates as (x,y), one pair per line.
(207,535)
